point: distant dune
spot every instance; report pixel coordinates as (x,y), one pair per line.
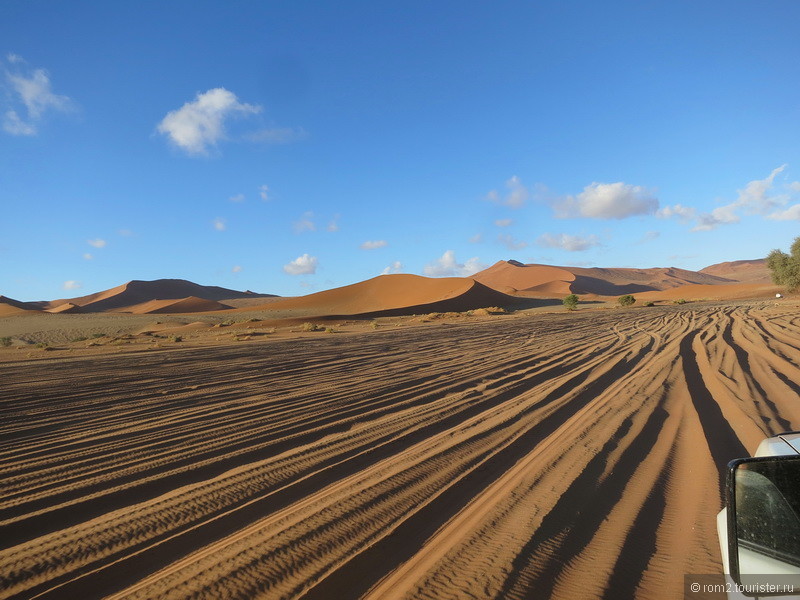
(512,276)
(743,271)
(394,295)
(192,304)
(10,307)
(66,308)
(129,296)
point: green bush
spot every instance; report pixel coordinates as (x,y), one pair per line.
(679,301)
(785,268)
(649,303)
(570,302)
(312,327)
(5,341)
(626,300)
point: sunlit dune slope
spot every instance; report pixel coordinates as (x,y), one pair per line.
(191,304)
(744,271)
(396,294)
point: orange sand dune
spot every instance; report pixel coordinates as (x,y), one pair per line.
(730,291)
(191,304)
(10,307)
(534,278)
(66,308)
(395,294)
(744,271)
(137,292)
(600,281)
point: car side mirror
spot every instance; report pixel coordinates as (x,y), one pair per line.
(763,496)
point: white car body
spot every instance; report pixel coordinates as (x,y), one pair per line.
(780,445)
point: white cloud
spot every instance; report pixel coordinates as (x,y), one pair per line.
(201,123)
(236,269)
(125,232)
(97,243)
(511,243)
(607,201)
(476,239)
(755,198)
(32,91)
(237,198)
(71,285)
(503,222)
(448,266)
(679,211)
(305,223)
(263,191)
(649,236)
(515,198)
(395,267)
(88,256)
(333,224)
(570,243)
(790,214)
(374,245)
(302,265)
(219,224)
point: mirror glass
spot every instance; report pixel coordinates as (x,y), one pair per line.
(767,516)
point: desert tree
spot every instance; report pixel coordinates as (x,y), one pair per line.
(571,302)
(626,300)
(785,268)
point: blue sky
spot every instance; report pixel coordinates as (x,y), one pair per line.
(289,147)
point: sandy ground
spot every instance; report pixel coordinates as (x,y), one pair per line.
(564,455)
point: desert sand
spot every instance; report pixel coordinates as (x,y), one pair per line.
(529,455)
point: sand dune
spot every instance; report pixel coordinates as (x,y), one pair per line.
(394,295)
(743,271)
(191,304)
(559,281)
(66,308)
(125,297)
(557,455)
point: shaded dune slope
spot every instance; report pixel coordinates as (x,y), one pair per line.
(388,295)
(191,304)
(10,307)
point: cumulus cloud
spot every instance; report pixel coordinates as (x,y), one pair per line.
(607,201)
(678,211)
(395,267)
(756,197)
(515,197)
(511,243)
(448,266)
(237,198)
(503,222)
(88,256)
(97,243)
(71,285)
(219,224)
(302,265)
(305,223)
(263,191)
(236,269)
(32,93)
(570,243)
(199,124)
(374,245)
(790,214)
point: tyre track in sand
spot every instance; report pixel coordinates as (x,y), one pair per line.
(529,455)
